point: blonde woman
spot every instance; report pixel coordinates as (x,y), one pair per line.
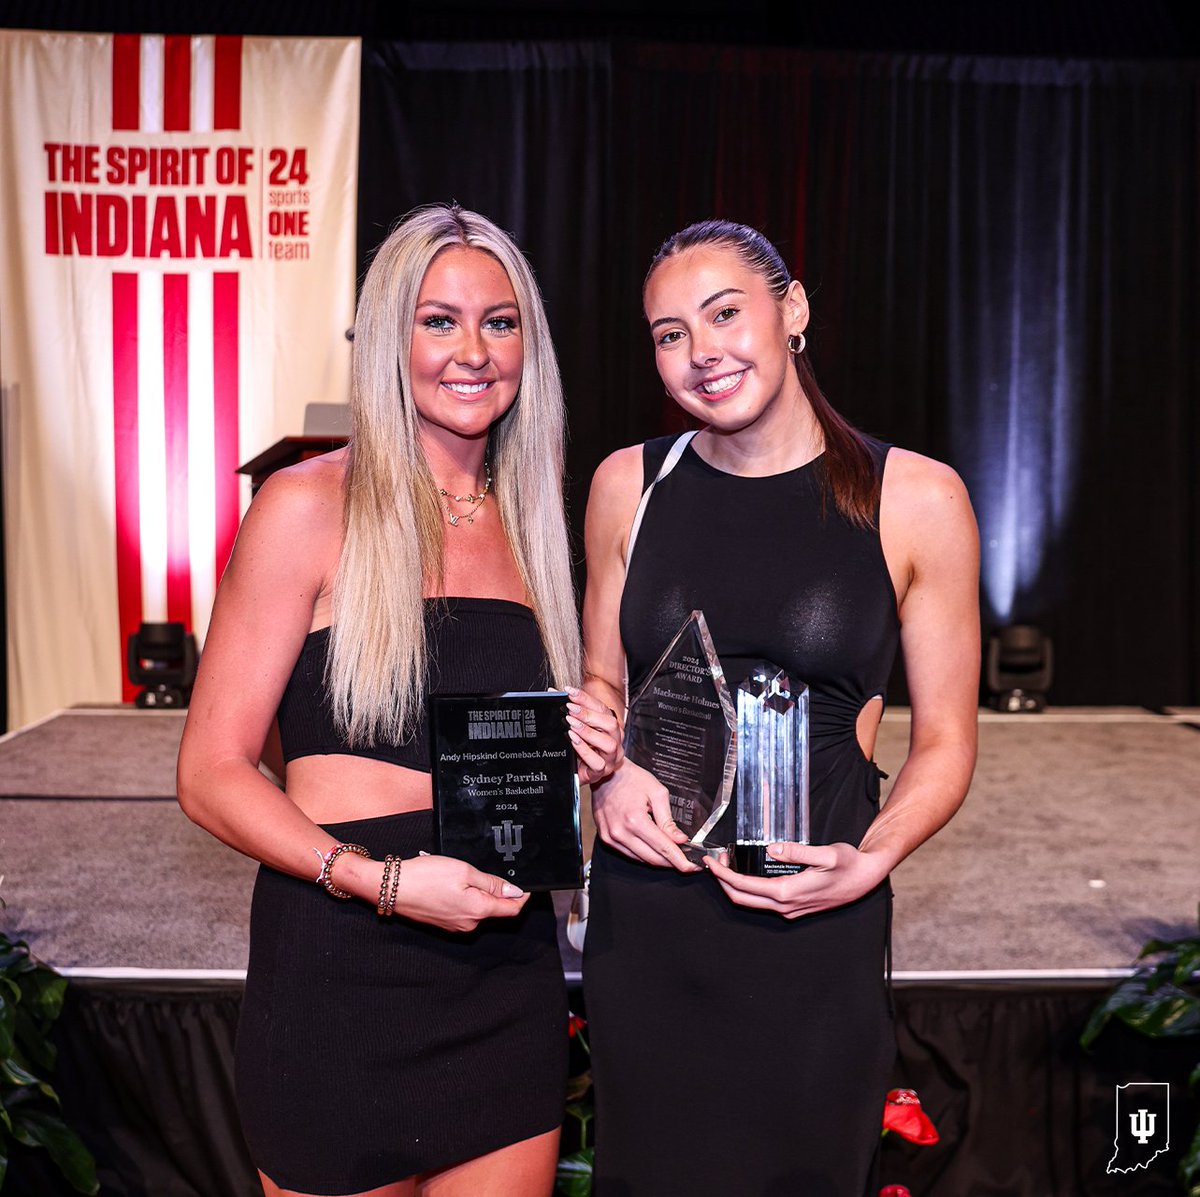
(421,1053)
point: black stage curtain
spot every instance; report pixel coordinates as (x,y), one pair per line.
(146,1075)
(1002,257)
(522,133)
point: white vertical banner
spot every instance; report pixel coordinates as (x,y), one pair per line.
(177,228)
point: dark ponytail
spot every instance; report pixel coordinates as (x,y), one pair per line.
(850,474)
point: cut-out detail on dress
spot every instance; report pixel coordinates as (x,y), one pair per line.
(866,725)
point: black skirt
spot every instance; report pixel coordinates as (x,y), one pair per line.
(373,1049)
(733,1051)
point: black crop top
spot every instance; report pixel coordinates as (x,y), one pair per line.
(477,646)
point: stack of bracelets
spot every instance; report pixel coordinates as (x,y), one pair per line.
(387,887)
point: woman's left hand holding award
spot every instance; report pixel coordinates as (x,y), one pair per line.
(632,809)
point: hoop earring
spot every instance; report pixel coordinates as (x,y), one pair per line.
(795,344)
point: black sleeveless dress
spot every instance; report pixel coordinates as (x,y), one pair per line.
(734,1051)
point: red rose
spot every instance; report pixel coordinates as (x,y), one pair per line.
(575,1025)
(894,1191)
(902,1113)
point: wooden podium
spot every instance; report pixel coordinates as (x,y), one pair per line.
(285,453)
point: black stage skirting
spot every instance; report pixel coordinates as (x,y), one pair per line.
(146,1070)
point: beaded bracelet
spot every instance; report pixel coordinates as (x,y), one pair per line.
(391,906)
(380,906)
(327,862)
(388,886)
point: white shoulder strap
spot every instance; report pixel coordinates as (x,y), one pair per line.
(672,459)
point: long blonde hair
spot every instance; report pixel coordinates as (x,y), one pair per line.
(393,537)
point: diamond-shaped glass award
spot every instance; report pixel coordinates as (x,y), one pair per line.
(682,728)
(772,769)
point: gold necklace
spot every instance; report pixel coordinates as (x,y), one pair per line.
(476,501)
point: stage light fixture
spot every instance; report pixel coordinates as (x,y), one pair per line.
(162,659)
(1020,668)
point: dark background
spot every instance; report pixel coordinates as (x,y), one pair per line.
(994,209)
(1049,28)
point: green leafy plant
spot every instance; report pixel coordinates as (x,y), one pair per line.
(1162,1001)
(31,998)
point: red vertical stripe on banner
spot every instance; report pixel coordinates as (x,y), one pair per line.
(175,402)
(177,84)
(126,78)
(125,446)
(225,413)
(227,83)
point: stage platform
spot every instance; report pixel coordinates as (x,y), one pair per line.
(1079,840)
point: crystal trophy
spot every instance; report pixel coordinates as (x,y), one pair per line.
(772,769)
(682,727)
(505,791)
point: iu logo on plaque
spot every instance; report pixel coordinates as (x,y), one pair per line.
(1143,1127)
(508,838)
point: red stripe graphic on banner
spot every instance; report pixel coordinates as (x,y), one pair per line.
(227,83)
(126,77)
(177,88)
(175,402)
(225,413)
(125,445)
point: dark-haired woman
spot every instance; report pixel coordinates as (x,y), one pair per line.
(741,1033)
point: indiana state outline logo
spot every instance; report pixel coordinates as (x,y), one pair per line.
(1143,1129)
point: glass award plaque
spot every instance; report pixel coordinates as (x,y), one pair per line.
(682,728)
(772,769)
(505,791)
